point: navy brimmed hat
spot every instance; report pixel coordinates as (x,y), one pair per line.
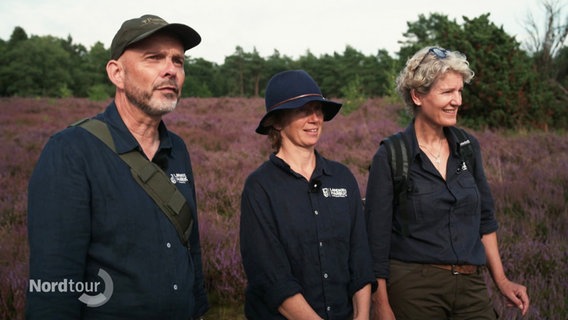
(293,89)
(137,29)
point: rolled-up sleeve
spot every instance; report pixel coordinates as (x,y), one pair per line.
(58,229)
(264,258)
(378,212)
(488,221)
(360,257)
(199,292)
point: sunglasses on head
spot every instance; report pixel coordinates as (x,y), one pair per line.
(438,52)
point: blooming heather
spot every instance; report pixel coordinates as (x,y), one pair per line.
(528,174)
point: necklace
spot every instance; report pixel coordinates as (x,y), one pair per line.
(437,161)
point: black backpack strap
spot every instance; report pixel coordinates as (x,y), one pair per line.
(152,179)
(398,152)
(465,147)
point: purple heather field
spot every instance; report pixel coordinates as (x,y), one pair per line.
(527,171)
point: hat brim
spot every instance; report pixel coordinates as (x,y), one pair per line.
(329,108)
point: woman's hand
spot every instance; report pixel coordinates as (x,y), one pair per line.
(380,307)
(516,294)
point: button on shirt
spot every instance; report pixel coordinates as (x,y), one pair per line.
(445,218)
(86,212)
(300,236)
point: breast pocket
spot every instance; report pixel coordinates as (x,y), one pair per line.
(467,195)
(427,201)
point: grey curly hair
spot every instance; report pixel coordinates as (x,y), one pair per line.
(425,67)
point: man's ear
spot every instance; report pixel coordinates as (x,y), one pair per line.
(115,73)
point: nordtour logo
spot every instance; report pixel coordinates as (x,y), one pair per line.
(86,288)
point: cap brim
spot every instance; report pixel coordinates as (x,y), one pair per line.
(189,37)
(329,108)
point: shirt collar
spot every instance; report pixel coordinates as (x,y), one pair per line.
(123,139)
(452,141)
(410,131)
(322,167)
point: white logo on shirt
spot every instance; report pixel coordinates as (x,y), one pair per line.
(178,178)
(334,192)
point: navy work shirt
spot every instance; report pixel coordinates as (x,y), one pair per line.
(446,218)
(303,237)
(87,213)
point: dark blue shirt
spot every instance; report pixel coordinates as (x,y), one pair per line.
(445,218)
(300,236)
(86,212)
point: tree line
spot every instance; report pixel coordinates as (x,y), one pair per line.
(513,88)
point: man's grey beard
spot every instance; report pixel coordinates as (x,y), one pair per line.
(143,102)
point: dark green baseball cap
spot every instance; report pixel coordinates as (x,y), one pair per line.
(137,29)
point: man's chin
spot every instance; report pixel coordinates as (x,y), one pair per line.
(162,108)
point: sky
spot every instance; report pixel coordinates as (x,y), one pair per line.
(292,27)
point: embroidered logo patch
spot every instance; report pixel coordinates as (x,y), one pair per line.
(334,192)
(178,178)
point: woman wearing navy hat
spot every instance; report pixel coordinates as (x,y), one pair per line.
(302,229)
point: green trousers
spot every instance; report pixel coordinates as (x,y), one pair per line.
(421,291)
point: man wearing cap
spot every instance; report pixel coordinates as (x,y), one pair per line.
(100,246)
(302,229)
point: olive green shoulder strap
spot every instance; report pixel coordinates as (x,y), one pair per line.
(152,179)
